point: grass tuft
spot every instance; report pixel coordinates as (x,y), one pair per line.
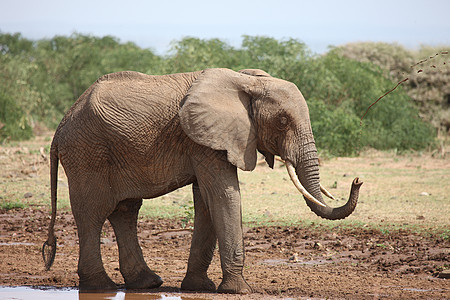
(8,205)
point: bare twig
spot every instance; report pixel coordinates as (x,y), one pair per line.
(173,230)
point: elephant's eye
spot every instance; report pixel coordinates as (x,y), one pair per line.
(283,122)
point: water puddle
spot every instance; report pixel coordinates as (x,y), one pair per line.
(16,244)
(416,290)
(38,293)
(277,262)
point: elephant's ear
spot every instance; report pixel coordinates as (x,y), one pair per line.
(216,113)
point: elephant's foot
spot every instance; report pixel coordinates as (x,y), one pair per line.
(97,282)
(193,282)
(146,279)
(234,285)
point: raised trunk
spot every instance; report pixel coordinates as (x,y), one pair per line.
(308,173)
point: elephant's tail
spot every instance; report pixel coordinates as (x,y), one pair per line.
(49,247)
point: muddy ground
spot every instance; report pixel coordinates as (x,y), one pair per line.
(280,261)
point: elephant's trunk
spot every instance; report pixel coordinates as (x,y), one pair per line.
(306,179)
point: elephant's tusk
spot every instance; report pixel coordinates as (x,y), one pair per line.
(326,193)
(291,171)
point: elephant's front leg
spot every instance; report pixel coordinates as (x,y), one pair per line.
(219,187)
(202,247)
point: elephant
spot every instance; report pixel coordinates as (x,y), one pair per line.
(132,136)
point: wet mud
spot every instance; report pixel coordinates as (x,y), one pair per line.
(281,262)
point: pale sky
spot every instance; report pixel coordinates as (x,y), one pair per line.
(154,24)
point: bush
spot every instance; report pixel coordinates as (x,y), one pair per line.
(345,89)
(428,73)
(40,80)
(336,130)
(193,54)
(390,57)
(13,122)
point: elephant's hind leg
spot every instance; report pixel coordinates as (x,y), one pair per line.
(91,272)
(202,248)
(135,271)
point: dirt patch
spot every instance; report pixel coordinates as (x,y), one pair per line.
(280,261)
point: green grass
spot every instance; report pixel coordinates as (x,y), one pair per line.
(390,198)
(11,205)
(172,205)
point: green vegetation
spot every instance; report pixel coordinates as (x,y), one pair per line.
(40,80)
(7,205)
(13,116)
(428,71)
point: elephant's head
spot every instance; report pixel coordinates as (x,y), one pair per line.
(242,112)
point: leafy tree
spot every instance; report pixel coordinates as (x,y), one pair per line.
(40,80)
(427,69)
(279,58)
(14,44)
(349,86)
(192,54)
(13,121)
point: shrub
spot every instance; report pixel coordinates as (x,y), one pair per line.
(428,73)
(13,122)
(336,130)
(345,90)
(40,80)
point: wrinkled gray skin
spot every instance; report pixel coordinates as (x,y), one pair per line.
(132,136)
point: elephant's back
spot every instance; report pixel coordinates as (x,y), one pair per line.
(136,105)
(127,102)
(122,114)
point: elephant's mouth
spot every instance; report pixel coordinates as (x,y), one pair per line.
(319,206)
(291,171)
